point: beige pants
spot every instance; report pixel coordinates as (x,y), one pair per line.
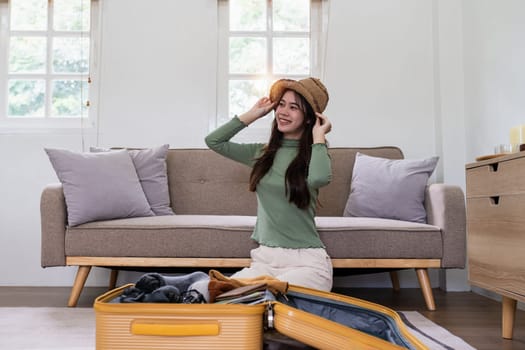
(310,267)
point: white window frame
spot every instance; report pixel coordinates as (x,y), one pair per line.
(88,120)
(259,131)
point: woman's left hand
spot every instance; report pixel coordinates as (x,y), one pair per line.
(321,127)
(262,107)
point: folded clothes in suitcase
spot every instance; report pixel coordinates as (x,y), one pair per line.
(319,319)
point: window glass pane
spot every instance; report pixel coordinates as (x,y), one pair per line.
(28,14)
(69,15)
(291,15)
(70,55)
(291,56)
(69,98)
(27,54)
(244,93)
(248,55)
(248,15)
(26,98)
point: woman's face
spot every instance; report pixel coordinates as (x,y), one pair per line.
(289,116)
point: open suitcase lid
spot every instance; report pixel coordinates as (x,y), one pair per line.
(332,321)
(316,318)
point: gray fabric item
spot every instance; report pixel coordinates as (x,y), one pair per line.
(99,186)
(445,206)
(221,236)
(201,286)
(389,189)
(376,238)
(150,164)
(176,236)
(53,221)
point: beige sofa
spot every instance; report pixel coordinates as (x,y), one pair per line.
(215,217)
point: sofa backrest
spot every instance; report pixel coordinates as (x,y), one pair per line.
(203,182)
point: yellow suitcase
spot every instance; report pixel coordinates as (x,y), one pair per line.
(319,319)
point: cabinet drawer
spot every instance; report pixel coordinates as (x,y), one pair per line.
(506,209)
(496,178)
(496,243)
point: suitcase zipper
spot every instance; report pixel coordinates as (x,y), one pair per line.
(269,316)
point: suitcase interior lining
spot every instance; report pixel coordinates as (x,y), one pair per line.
(358,318)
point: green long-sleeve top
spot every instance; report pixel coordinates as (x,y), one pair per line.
(280,223)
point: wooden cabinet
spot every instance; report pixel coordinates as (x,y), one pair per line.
(496,230)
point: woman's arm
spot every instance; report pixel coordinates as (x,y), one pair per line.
(320,168)
(219,139)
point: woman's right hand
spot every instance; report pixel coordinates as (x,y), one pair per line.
(321,127)
(261,108)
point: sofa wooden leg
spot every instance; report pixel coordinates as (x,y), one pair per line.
(424,283)
(395,281)
(113,279)
(80,280)
(508,317)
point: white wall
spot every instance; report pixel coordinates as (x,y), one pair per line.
(394,69)
(158,78)
(494,51)
(379,71)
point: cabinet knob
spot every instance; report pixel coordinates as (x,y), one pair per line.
(494,167)
(494,200)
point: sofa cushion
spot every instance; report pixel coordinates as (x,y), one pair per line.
(223,236)
(204,236)
(389,189)
(99,186)
(376,238)
(150,164)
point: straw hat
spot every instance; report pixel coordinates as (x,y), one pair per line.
(310,88)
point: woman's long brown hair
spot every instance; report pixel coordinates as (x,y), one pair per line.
(297,172)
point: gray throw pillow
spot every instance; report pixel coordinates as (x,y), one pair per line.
(99,186)
(150,164)
(389,189)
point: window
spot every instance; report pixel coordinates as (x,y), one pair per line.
(261,41)
(46,62)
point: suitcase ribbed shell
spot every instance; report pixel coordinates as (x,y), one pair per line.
(176,326)
(133,326)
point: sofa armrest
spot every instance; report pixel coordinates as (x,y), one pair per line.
(53,220)
(445,206)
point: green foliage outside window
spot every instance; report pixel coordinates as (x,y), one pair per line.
(66,97)
(32,80)
(26,98)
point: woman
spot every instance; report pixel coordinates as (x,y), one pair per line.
(286,176)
